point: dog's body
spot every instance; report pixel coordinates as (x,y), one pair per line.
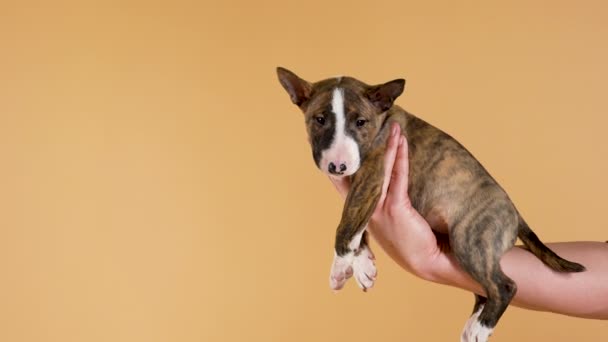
(348,125)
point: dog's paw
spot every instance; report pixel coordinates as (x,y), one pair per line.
(474,331)
(364,268)
(341,270)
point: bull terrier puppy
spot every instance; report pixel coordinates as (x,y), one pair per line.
(348,125)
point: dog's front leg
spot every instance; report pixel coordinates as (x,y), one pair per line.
(352,253)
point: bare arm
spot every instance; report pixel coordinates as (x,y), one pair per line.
(408,239)
(539,288)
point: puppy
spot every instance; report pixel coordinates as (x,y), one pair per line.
(348,126)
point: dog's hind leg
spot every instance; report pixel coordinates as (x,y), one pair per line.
(486,313)
(481,324)
(479,303)
(478,247)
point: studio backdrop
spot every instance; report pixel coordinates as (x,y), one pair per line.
(156,183)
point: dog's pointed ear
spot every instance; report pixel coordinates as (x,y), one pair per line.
(383,95)
(298,89)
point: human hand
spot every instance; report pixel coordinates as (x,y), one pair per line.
(397,227)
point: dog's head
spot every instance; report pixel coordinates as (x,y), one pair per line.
(342,115)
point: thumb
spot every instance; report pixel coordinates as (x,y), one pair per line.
(398,186)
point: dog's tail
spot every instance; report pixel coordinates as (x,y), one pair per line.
(543,252)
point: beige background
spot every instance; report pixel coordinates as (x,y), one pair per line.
(156,184)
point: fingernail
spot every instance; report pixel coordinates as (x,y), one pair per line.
(401,140)
(394,130)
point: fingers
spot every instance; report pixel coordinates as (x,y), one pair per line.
(389,158)
(397,190)
(341,184)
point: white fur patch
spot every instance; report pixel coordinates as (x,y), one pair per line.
(364,268)
(474,331)
(344,149)
(341,270)
(356,241)
(361,265)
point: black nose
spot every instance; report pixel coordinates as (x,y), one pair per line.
(332,169)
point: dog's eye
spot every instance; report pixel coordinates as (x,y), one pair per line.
(320,120)
(361,122)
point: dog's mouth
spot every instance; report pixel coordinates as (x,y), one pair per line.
(337,175)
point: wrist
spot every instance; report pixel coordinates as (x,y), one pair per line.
(427,269)
(438,268)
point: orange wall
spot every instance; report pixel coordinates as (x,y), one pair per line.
(156,184)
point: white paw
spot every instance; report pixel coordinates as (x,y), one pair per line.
(341,270)
(364,268)
(474,331)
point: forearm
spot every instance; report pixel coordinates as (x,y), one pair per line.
(582,294)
